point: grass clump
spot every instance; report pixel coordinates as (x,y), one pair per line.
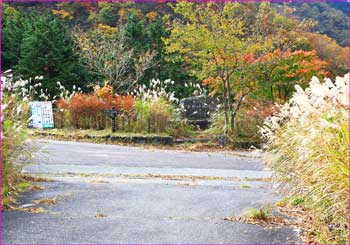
(297,201)
(282,202)
(47,201)
(308,147)
(21,187)
(257,213)
(15,118)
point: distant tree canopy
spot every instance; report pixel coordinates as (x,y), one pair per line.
(341,6)
(12,31)
(330,19)
(37,40)
(43,48)
(230,54)
(148,34)
(337,57)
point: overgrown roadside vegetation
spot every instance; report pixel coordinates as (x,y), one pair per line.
(199,141)
(149,111)
(14,118)
(16,94)
(308,147)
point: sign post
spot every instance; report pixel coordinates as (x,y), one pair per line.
(112,113)
(41,114)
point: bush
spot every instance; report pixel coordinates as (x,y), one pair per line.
(84,110)
(150,110)
(140,115)
(258,214)
(161,115)
(154,115)
(248,120)
(250,117)
(308,146)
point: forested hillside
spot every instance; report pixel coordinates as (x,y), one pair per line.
(330,18)
(260,51)
(146,26)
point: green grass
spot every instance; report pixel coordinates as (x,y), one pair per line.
(297,201)
(291,201)
(23,186)
(97,133)
(283,202)
(9,194)
(258,214)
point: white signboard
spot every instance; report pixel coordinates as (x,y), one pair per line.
(41,114)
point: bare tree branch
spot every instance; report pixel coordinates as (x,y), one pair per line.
(108,55)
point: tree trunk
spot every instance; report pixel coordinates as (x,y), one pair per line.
(224,94)
(234,113)
(230,101)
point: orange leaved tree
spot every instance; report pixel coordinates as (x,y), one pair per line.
(279,71)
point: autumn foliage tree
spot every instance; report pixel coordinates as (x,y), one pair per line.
(279,71)
(215,40)
(337,57)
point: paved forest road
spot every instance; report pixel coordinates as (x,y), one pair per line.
(116,194)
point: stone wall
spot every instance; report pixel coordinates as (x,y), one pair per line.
(198,109)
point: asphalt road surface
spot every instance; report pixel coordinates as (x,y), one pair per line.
(112,194)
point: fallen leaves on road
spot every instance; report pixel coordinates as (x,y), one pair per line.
(30,209)
(184,184)
(36,210)
(298,218)
(191,147)
(259,179)
(99,181)
(268,222)
(100,215)
(178,177)
(47,201)
(36,188)
(164,177)
(35,178)
(8,207)
(51,201)
(303,221)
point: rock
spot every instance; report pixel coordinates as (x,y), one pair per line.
(222,140)
(198,109)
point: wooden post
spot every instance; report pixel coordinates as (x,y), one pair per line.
(113,114)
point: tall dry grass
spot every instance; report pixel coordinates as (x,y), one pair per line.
(308,147)
(14,120)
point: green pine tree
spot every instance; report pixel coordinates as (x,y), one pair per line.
(143,35)
(47,50)
(12,29)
